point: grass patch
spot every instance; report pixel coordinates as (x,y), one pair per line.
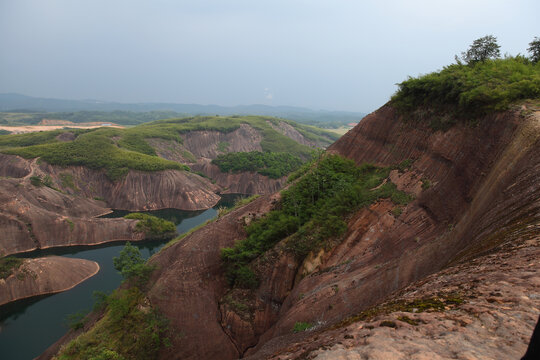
(408,320)
(39,181)
(8,265)
(397,211)
(66,181)
(312,212)
(71,224)
(96,151)
(301,326)
(459,92)
(426,184)
(271,164)
(223,146)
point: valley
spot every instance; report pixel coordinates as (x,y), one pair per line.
(413,235)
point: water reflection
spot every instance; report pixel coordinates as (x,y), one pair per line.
(28,327)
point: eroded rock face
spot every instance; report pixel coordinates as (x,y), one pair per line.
(482,192)
(40,217)
(43,276)
(139,190)
(204,144)
(491,307)
(37,217)
(190,282)
(241,183)
(476,190)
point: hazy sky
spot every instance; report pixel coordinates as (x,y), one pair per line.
(322,54)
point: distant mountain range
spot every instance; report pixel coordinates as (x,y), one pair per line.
(22,103)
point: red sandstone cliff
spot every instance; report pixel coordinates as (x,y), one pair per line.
(483,196)
(38,217)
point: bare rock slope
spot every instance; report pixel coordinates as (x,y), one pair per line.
(476,191)
(37,217)
(43,276)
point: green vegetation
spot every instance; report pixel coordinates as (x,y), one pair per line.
(66,180)
(426,184)
(534,50)
(311,213)
(302,326)
(8,265)
(39,181)
(28,139)
(397,211)
(223,146)
(116,117)
(439,303)
(482,49)
(71,224)
(152,225)
(128,330)
(96,150)
(4,132)
(222,211)
(119,150)
(76,321)
(131,265)
(271,164)
(465,92)
(408,320)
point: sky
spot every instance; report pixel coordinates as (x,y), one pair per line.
(321,54)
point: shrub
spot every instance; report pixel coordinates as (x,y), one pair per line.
(302,326)
(311,213)
(8,265)
(131,265)
(271,164)
(129,329)
(461,92)
(152,225)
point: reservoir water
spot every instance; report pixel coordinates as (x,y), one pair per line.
(28,327)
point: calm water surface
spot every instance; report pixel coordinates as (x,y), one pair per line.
(28,327)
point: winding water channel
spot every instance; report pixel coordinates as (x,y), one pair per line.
(28,327)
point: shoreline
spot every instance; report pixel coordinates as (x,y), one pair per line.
(97,269)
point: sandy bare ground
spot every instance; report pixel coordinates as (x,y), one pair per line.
(35,128)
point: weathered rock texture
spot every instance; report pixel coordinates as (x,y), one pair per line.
(240,183)
(138,190)
(500,296)
(199,148)
(189,282)
(482,192)
(38,217)
(46,275)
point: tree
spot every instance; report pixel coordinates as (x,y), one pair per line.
(534,50)
(482,49)
(131,264)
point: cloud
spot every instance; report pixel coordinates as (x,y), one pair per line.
(268,94)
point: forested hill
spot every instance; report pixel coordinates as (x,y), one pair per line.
(276,146)
(36,109)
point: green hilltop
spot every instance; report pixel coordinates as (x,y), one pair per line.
(119,150)
(465,92)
